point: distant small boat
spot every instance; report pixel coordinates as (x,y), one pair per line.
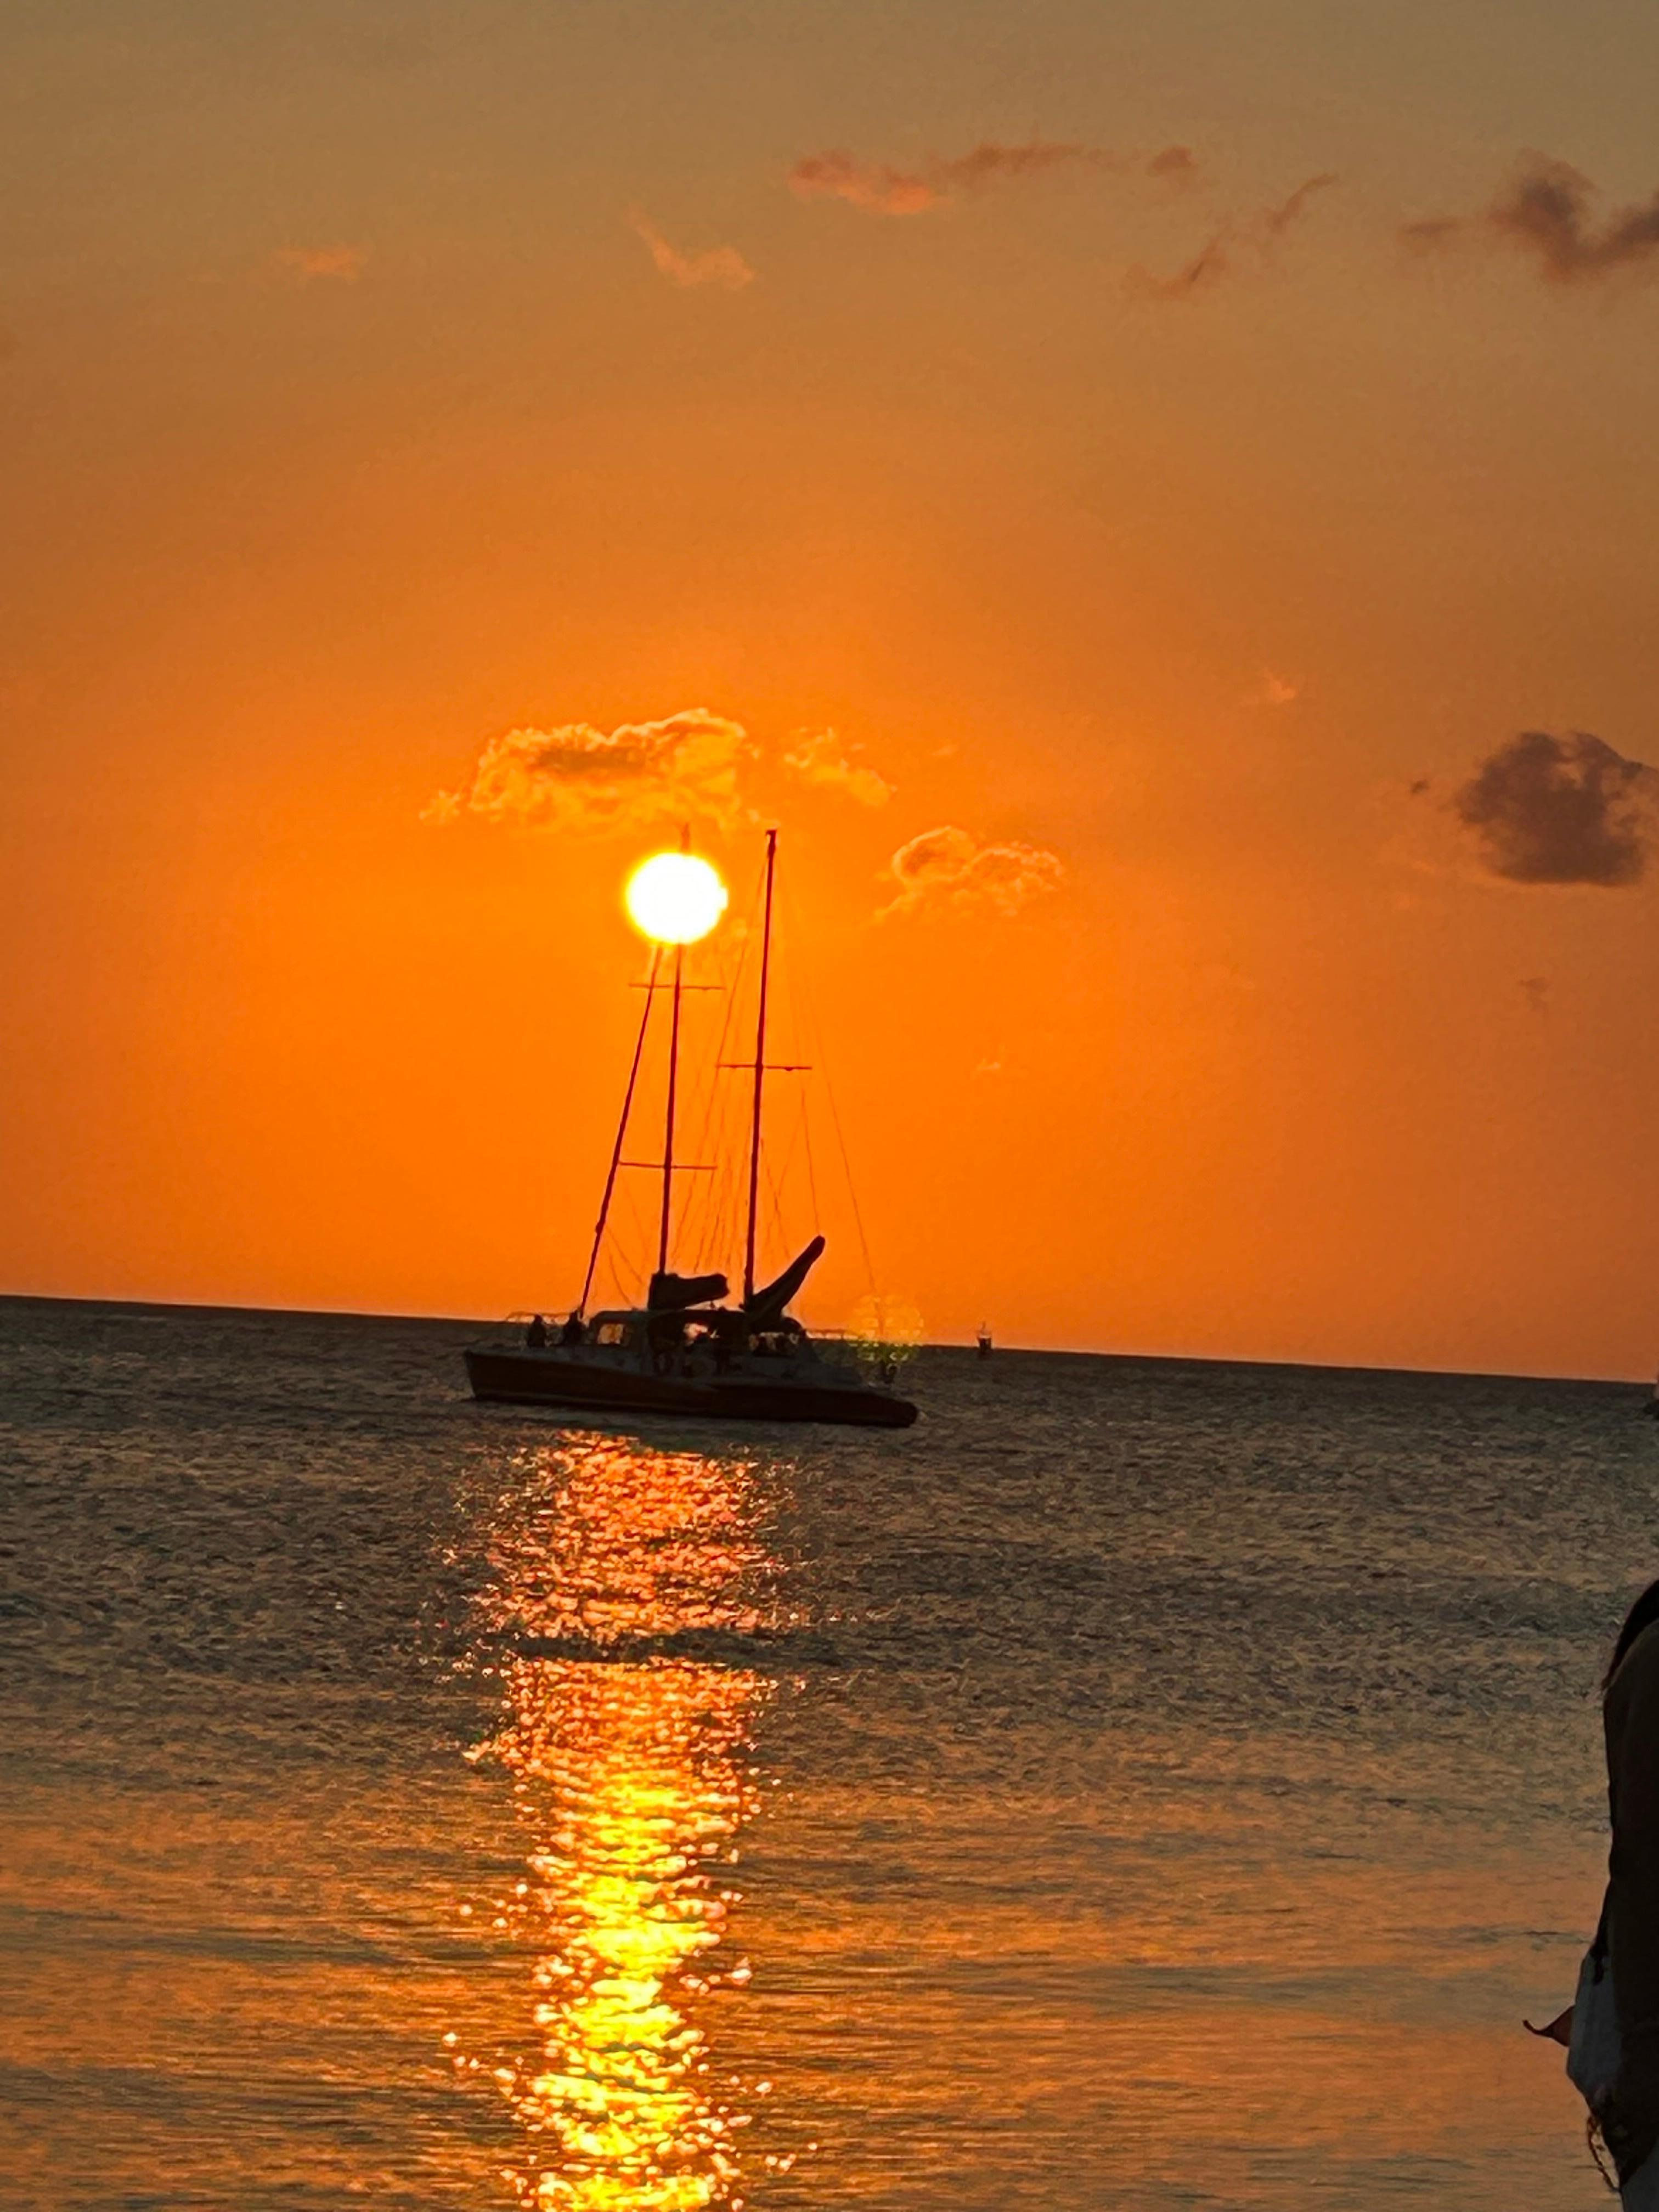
(983,1340)
(684,1351)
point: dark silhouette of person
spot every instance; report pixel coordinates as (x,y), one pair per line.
(1629,2116)
(574,1331)
(536,1335)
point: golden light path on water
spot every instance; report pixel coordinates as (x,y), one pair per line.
(632,1772)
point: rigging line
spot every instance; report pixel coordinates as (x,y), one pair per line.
(776,1197)
(778,1175)
(622,1130)
(815,1032)
(713,1198)
(635,1239)
(847,1170)
(812,1163)
(774,1178)
(625,1244)
(725,1225)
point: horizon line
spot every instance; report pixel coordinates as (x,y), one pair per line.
(969,1344)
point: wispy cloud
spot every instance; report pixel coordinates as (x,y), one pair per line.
(1430,233)
(1207,267)
(820,758)
(722,267)
(880,189)
(583,781)
(875,187)
(1548,809)
(1274,690)
(946,871)
(1177,165)
(344,264)
(1254,237)
(1548,211)
(1274,222)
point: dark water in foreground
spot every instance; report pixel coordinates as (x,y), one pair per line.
(1143,1784)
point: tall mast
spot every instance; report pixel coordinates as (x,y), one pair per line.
(760,1073)
(668,1130)
(674,1083)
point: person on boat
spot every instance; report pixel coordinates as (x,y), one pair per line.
(536,1335)
(729,1337)
(1628,2116)
(574,1331)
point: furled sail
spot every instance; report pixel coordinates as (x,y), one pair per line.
(671,1293)
(765,1309)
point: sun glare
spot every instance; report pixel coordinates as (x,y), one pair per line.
(675,898)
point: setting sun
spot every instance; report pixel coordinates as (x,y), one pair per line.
(675,898)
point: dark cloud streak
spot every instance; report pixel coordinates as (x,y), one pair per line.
(1547,209)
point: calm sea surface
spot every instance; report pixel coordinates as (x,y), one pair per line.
(1143,1784)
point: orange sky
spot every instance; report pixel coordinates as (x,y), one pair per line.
(377,380)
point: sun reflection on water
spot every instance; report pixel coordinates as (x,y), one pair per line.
(632,1773)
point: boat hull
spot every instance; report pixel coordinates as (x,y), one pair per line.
(507,1376)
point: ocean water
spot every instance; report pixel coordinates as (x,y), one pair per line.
(1143,1784)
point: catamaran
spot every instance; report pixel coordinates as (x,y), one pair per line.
(690,1350)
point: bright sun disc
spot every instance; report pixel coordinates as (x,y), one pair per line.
(674,898)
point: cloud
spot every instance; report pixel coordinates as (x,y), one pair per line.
(343,264)
(1547,810)
(1177,163)
(1256,236)
(1431,233)
(1273,222)
(819,759)
(872,185)
(1274,690)
(880,189)
(1547,211)
(946,871)
(1208,266)
(1536,990)
(580,780)
(720,266)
